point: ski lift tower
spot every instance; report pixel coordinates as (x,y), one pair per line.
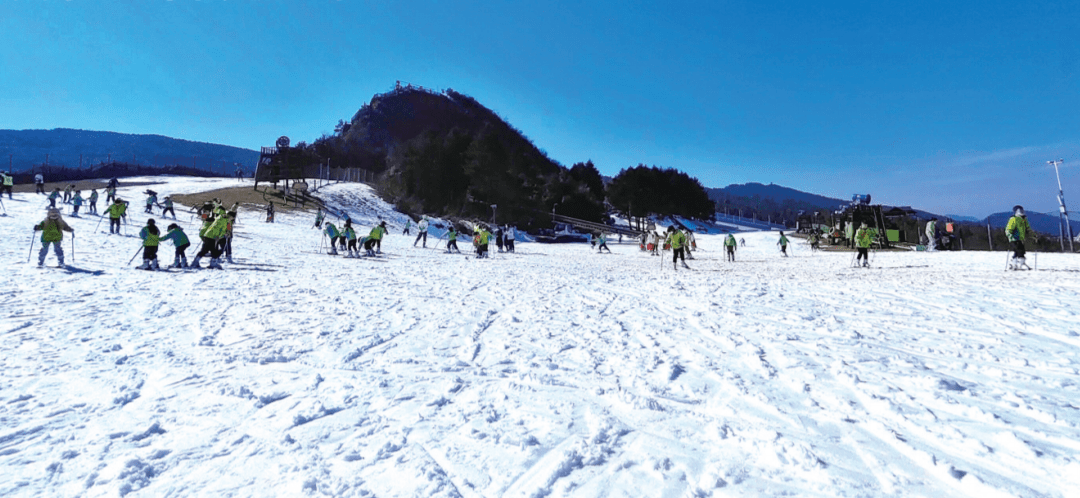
(1063,215)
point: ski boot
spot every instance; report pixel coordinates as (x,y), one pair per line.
(175,263)
(195,263)
(866,264)
(684,265)
(154,264)
(1021,264)
(144,266)
(215,264)
(229,260)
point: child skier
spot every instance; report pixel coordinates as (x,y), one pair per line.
(332,232)
(603,244)
(181,242)
(167,207)
(53,196)
(110,192)
(374,237)
(52,232)
(480,240)
(350,237)
(76,201)
(93,201)
(117,210)
(319,217)
(408,224)
(678,244)
(270,213)
(1017,231)
(451,241)
(212,232)
(510,236)
(67,193)
(151,200)
(149,234)
(729,245)
(863,240)
(421,232)
(783,244)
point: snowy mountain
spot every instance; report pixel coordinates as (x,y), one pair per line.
(553,371)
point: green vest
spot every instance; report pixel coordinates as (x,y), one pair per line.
(51,231)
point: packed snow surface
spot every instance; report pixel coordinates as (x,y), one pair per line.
(554,371)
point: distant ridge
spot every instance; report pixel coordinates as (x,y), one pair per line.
(63,145)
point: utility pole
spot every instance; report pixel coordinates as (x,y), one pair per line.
(1063,216)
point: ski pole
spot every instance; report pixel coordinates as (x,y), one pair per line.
(72,247)
(133,255)
(32,237)
(98,222)
(3,206)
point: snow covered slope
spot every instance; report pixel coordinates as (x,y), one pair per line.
(551,372)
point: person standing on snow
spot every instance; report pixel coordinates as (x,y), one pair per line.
(110,193)
(689,234)
(421,232)
(603,244)
(931,232)
(481,240)
(408,224)
(151,200)
(862,241)
(117,210)
(1017,231)
(53,197)
(374,238)
(332,232)
(93,201)
(167,207)
(181,242)
(149,234)
(499,238)
(319,217)
(67,193)
(8,183)
(76,201)
(729,247)
(677,240)
(270,213)
(783,242)
(39,184)
(212,232)
(52,232)
(511,234)
(451,241)
(350,238)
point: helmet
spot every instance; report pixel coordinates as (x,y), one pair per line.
(1018,210)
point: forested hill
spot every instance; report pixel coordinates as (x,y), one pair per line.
(444,153)
(774,193)
(63,146)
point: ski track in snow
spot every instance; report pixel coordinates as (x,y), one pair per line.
(551,372)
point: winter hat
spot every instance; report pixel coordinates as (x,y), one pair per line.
(54,211)
(173,226)
(382,224)
(863,225)
(1019,211)
(150,221)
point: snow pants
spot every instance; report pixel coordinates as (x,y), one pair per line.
(114,225)
(93,207)
(45,251)
(421,235)
(1018,249)
(452,245)
(369,244)
(676,254)
(509,245)
(6,188)
(180,250)
(168,210)
(731,253)
(149,252)
(604,246)
(40,188)
(862,254)
(352,244)
(209,246)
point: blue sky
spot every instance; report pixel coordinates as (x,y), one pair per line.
(953,107)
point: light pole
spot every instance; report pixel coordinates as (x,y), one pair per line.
(1063,216)
(493,206)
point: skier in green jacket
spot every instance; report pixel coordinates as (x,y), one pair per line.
(181,242)
(1017,231)
(373,238)
(151,238)
(783,242)
(451,241)
(730,246)
(863,240)
(52,232)
(332,232)
(678,246)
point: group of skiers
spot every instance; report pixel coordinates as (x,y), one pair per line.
(347,239)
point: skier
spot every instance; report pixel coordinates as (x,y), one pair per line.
(654,243)
(931,231)
(113,183)
(67,193)
(374,238)
(149,234)
(408,224)
(451,241)
(678,244)
(729,245)
(117,210)
(226,242)
(499,238)
(350,237)
(319,217)
(603,244)
(110,192)
(53,196)
(151,200)
(511,234)
(213,230)
(783,244)
(1017,231)
(863,240)
(270,213)
(332,232)
(421,231)
(52,232)
(181,242)
(480,240)
(742,242)
(167,207)
(690,244)
(93,201)
(8,183)
(815,240)
(76,201)
(39,184)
